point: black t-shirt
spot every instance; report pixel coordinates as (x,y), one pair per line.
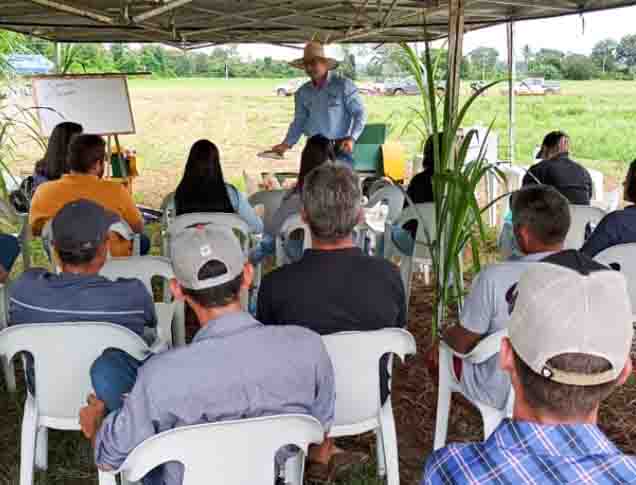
(334,291)
(421,188)
(565,175)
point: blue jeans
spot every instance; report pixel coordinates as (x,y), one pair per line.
(402,240)
(342,156)
(113,375)
(9,251)
(144,244)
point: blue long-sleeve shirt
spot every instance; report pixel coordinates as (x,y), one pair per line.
(618,227)
(334,110)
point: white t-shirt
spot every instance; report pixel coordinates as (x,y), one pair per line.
(485,312)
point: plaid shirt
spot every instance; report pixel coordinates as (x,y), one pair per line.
(529,453)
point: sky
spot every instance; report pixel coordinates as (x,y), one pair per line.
(569,34)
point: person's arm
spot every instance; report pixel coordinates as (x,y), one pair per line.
(297,126)
(39,213)
(324,405)
(264,302)
(402,318)
(590,184)
(245,210)
(130,213)
(531,177)
(150,314)
(355,107)
(604,236)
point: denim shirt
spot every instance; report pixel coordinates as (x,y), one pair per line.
(334,110)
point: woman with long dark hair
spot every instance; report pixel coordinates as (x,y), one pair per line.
(203,188)
(53,165)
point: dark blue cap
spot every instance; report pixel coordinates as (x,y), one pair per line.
(81,225)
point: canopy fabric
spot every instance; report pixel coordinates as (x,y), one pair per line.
(196,23)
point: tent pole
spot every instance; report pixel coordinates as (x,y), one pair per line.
(512,75)
(57,59)
(455,51)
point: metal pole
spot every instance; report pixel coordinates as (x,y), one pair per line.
(512,75)
(58,58)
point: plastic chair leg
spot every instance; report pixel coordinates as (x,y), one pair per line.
(9,374)
(380,454)
(294,468)
(106,478)
(27,445)
(42,448)
(443,402)
(389,443)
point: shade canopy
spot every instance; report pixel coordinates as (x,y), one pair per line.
(195,23)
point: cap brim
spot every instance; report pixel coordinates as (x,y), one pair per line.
(300,63)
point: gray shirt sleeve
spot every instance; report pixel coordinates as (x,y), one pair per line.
(324,405)
(479,305)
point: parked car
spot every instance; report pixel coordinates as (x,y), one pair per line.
(399,87)
(290,87)
(535,86)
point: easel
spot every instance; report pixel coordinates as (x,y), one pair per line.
(126,181)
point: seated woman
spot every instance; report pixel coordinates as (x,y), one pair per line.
(53,165)
(317,151)
(618,227)
(203,188)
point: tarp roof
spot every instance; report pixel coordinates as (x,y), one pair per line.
(194,23)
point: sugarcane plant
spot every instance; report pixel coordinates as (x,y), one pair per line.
(458,216)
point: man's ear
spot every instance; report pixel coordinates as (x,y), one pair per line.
(176,290)
(625,373)
(303,215)
(506,357)
(248,276)
(564,144)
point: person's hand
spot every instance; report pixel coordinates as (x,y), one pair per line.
(91,416)
(281,148)
(346,145)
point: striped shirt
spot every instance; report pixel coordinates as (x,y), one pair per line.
(39,296)
(523,453)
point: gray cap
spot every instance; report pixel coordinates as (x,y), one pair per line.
(193,247)
(81,225)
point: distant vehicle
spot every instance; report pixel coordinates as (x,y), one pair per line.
(535,86)
(370,88)
(400,87)
(290,87)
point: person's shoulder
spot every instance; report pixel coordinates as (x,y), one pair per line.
(27,279)
(342,82)
(282,274)
(449,463)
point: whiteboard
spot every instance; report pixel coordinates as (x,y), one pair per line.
(100,104)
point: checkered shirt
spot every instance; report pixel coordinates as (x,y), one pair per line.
(520,453)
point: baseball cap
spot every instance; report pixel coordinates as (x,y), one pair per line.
(559,310)
(81,225)
(194,247)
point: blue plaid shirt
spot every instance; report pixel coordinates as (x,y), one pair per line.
(529,453)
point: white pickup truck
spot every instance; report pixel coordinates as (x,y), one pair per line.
(535,86)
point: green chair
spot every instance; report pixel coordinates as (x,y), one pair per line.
(367,152)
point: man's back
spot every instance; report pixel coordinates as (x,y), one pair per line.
(334,291)
(529,453)
(42,297)
(565,175)
(52,196)
(235,368)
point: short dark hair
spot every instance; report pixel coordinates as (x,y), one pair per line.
(630,183)
(563,399)
(544,211)
(217,296)
(77,258)
(85,151)
(553,139)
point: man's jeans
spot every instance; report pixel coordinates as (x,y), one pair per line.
(113,376)
(342,156)
(9,250)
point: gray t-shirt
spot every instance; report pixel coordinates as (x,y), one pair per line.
(485,312)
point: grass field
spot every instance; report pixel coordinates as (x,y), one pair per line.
(244,116)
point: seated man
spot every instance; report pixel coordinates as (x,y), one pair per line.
(570,339)
(235,368)
(334,287)
(86,160)
(556,169)
(541,223)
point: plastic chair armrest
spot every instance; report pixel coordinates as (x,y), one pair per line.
(484,350)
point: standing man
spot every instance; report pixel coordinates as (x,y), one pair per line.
(328,105)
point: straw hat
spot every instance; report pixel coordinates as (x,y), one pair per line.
(314,50)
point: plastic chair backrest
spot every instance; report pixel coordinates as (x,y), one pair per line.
(427,232)
(581,216)
(217,452)
(270,200)
(392,196)
(292,223)
(169,210)
(486,348)
(367,152)
(230,221)
(63,354)
(357,376)
(143,268)
(625,256)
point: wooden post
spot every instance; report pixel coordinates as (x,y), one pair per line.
(455,51)
(512,74)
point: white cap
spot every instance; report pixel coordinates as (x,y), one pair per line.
(560,311)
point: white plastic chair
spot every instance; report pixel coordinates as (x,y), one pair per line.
(581,216)
(355,357)
(170,315)
(392,196)
(8,369)
(236,452)
(63,354)
(292,223)
(448,384)
(625,256)
(270,200)
(168,214)
(598,184)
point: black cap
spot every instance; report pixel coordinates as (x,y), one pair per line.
(81,225)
